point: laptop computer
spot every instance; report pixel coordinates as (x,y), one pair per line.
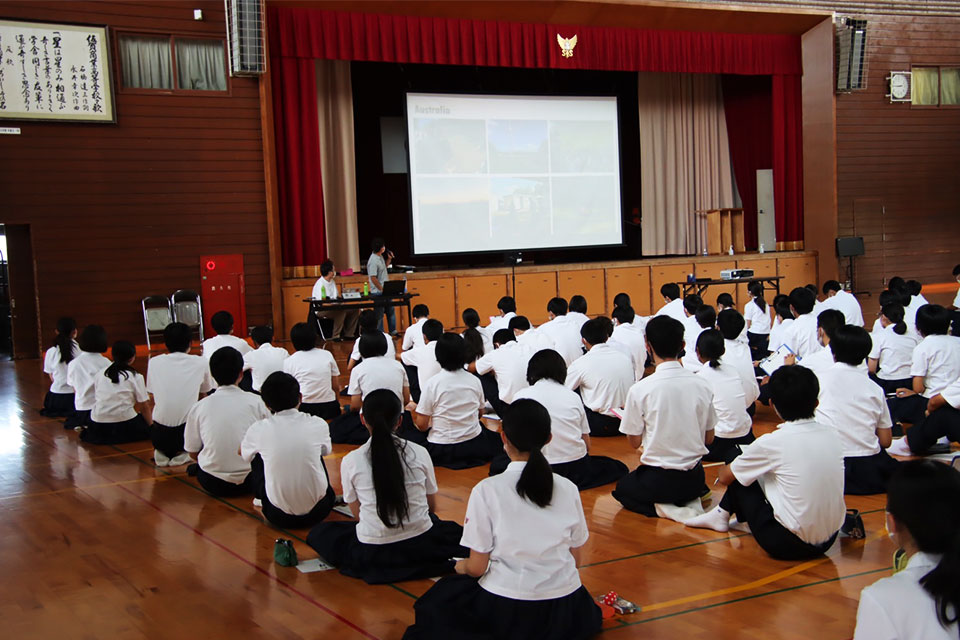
(394,287)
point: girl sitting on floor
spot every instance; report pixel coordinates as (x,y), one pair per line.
(58,403)
(120,412)
(734,425)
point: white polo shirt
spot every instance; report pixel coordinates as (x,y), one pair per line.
(691,332)
(737,355)
(674,309)
(564,333)
(292,445)
(529,546)
(314,370)
(758,318)
(672,409)
(937,359)
(847,304)
(898,607)
(378,373)
(176,381)
(424,358)
(413,336)
(604,376)
(263,361)
(729,404)
(210,345)
(956,300)
(800,468)
(327,286)
(391,348)
(453,400)
(82,374)
(855,406)
(579,319)
(57,368)
(778,334)
(952,394)
(568,420)
(893,352)
(509,365)
(631,336)
(801,335)
(499,322)
(215,428)
(356,475)
(487,338)
(532,340)
(818,361)
(115,402)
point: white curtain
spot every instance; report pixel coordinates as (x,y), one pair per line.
(337,161)
(200,65)
(684,159)
(146,62)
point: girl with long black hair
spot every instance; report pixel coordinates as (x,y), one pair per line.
(923,519)
(525,529)
(58,403)
(390,486)
(120,412)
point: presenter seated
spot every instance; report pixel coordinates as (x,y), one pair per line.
(344,320)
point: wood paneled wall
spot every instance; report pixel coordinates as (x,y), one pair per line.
(125,210)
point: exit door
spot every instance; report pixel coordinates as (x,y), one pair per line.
(25,328)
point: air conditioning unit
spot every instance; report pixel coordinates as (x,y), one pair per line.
(851,54)
(245,37)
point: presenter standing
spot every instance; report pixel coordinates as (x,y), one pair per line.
(380,259)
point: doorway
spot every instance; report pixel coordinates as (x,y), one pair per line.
(19,326)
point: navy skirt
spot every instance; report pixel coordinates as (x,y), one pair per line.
(475,452)
(868,475)
(326,410)
(427,555)
(57,405)
(347,428)
(132,430)
(587,472)
(79,418)
(458,608)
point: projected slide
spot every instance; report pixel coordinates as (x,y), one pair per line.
(500,173)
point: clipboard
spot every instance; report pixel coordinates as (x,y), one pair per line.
(776,359)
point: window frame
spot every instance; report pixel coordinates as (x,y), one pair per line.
(939,68)
(172,39)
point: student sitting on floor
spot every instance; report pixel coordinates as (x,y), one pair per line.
(449,410)
(525,529)
(670,415)
(630,335)
(856,407)
(757,314)
(508,364)
(603,377)
(562,330)
(782,321)
(706,318)
(121,412)
(892,353)
(285,452)
(843,301)
(828,322)
(59,401)
(737,354)
(420,362)
(734,426)
(577,311)
(913,289)
(724,302)
(375,371)
(479,340)
(530,339)
(368,324)
(316,372)
(623,300)
(691,328)
(507,307)
(222,323)
(217,425)
(83,371)
(801,335)
(787,485)
(569,445)
(941,423)
(413,336)
(176,380)
(923,518)
(390,486)
(266,358)
(672,302)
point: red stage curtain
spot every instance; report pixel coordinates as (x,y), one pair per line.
(788,157)
(314,33)
(303,239)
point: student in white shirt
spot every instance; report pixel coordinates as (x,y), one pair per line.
(670,415)
(507,307)
(856,407)
(724,302)
(532,340)
(817,305)
(923,518)
(344,320)
(413,336)
(734,426)
(569,445)
(285,453)
(390,487)
(828,322)
(216,426)
(737,355)
(421,362)
(672,302)
(843,301)
(525,529)
(955,307)
(59,401)
(913,289)
(628,334)
(757,314)
(941,420)
(503,371)
(316,372)
(176,380)
(892,353)
(577,310)
(449,411)
(83,371)
(801,335)
(788,485)
(478,342)
(936,364)
(368,324)
(623,300)
(706,318)
(222,323)
(562,330)
(782,321)
(691,303)
(603,377)
(265,358)
(121,411)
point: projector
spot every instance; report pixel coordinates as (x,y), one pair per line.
(735,274)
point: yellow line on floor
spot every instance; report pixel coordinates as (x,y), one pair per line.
(91,486)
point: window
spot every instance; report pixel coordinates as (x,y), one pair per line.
(936,86)
(167,63)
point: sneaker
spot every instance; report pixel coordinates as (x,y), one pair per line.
(257,502)
(160,460)
(180,459)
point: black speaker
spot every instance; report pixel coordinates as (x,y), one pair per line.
(850,247)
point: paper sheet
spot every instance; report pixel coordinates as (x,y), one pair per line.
(314,565)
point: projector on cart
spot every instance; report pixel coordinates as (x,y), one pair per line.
(735,274)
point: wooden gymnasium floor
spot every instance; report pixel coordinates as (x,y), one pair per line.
(99,543)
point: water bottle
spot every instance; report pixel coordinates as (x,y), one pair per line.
(761,248)
(731,250)
(366,289)
(323,293)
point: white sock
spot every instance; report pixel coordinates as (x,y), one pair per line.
(717,519)
(900,448)
(159,459)
(180,459)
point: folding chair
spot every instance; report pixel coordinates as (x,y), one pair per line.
(188,310)
(157,314)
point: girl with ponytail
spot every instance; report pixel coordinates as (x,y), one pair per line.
(892,352)
(757,314)
(58,402)
(390,487)
(923,519)
(524,529)
(120,410)
(734,426)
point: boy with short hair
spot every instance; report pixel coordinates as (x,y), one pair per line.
(843,301)
(508,363)
(801,335)
(316,372)
(603,377)
(630,335)
(266,358)
(369,324)
(706,318)
(672,303)
(563,330)
(222,323)
(507,307)
(532,340)
(413,336)
(731,323)
(577,310)
(828,321)
(421,362)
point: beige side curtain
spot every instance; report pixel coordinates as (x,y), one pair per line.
(339,176)
(684,159)
(926,85)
